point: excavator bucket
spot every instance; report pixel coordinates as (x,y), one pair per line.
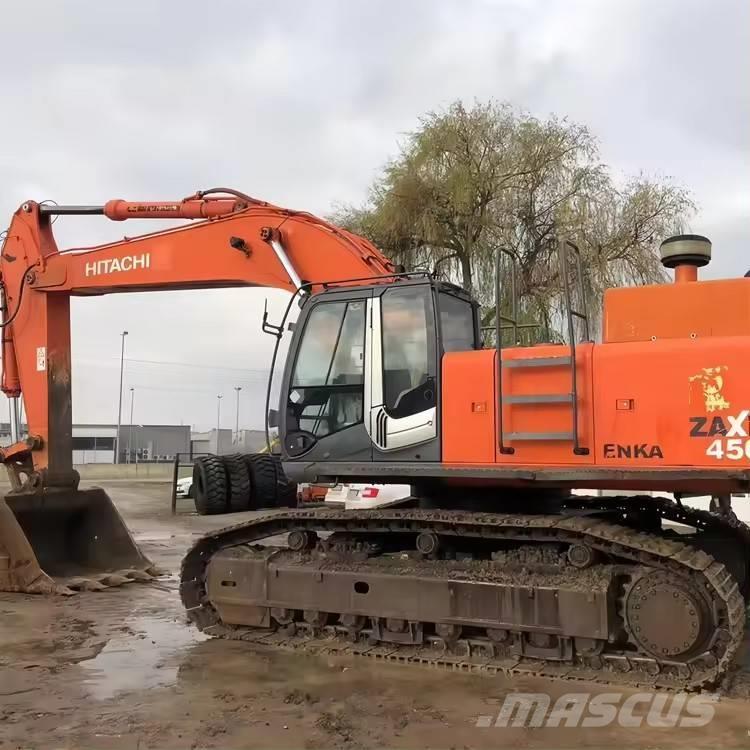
(66,540)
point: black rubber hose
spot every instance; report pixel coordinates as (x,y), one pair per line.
(20,297)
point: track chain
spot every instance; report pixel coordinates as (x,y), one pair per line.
(667,509)
(480,654)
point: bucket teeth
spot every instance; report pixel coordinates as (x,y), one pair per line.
(137,575)
(155,571)
(100,581)
(78,534)
(114,579)
(85,584)
(45,585)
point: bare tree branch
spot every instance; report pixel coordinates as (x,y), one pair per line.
(471,179)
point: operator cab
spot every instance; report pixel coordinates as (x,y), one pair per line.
(362,380)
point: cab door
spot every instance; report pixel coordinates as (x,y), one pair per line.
(401,388)
(324,381)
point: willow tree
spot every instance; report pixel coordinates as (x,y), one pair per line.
(470,180)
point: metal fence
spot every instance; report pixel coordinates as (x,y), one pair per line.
(181,461)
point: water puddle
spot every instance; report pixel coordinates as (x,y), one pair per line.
(146,656)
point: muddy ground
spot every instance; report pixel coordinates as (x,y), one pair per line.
(122,669)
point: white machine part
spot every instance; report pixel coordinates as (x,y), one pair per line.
(358,496)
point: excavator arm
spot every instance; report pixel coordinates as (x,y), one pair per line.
(55,537)
(238,241)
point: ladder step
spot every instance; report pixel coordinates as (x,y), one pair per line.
(541,398)
(511,436)
(538,362)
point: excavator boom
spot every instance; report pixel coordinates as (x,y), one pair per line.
(46,522)
(243,242)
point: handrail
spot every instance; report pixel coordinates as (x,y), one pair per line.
(563,244)
(513,322)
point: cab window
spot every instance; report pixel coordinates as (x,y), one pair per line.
(327,387)
(457,330)
(409,362)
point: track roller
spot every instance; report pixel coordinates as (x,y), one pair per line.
(428,543)
(301,540)
(581,555)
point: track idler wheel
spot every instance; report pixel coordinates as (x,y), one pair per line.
(667,616)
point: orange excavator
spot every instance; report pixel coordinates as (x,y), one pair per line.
(493,563)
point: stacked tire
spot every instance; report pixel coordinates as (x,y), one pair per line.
(209,486)
(228,484)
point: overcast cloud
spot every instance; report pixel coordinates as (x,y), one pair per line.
(300,103)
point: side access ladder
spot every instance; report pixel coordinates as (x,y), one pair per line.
(564,247)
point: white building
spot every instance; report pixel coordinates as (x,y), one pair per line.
(211,441)
(247,441)
(95,443)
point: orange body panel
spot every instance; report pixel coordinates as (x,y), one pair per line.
(680,400)
(650,396)
(682,310)
(468,407)
(469,379)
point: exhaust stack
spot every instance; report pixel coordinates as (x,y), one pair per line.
(685,253)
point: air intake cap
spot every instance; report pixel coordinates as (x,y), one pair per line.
(686,250)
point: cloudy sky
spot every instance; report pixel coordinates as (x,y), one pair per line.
(300,103)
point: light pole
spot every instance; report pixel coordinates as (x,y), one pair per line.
(137,444)
(130,429)
(218,424)
(119,403)
(237,389)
